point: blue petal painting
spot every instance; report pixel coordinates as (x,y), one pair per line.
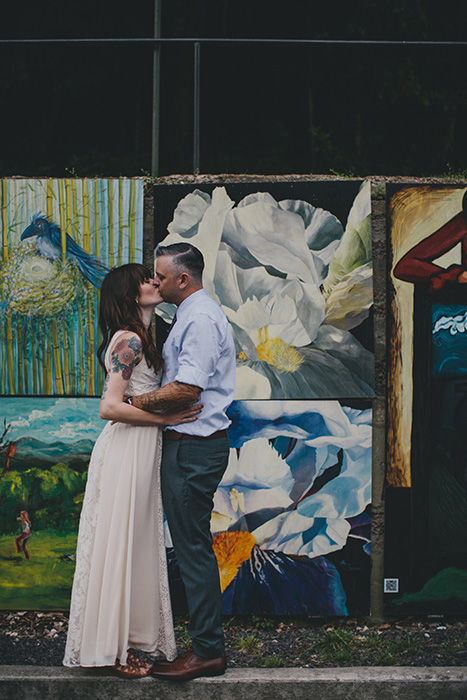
(290,523)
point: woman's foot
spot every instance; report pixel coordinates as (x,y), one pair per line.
(134,668)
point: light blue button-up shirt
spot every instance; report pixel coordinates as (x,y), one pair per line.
(200,350)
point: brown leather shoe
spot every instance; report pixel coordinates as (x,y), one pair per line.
(189,666)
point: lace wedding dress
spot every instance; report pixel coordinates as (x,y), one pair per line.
(120,595)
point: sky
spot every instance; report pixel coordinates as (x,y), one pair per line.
(52,419)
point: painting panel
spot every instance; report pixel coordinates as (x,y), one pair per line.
(291,524)
(426,546)
(44,455)
(290,264)
(59,238)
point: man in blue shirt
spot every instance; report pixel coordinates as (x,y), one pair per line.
(199,364)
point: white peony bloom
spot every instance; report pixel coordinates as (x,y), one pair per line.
(267,264)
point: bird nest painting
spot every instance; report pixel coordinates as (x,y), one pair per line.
(59,240)
(37,286)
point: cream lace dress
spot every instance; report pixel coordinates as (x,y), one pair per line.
(120,595)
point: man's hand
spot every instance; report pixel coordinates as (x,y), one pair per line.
(168,398)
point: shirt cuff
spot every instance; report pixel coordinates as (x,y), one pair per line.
(193,376)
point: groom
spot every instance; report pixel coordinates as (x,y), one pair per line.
(199,364)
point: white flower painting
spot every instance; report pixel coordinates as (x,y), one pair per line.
(295,282)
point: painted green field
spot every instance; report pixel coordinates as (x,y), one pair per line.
(43,582)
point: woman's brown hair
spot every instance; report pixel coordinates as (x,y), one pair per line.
(119,310)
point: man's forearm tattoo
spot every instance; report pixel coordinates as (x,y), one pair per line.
(168,398)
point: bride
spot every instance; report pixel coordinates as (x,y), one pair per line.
(120,597)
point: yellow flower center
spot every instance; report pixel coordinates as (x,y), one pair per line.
(231,550)
(275,352)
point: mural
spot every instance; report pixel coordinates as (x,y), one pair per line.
(59,238)
(290,264)
(426,543)
(291,525)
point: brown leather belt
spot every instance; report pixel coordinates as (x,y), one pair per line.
(175,435)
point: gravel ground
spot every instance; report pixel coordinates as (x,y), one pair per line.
(38,639)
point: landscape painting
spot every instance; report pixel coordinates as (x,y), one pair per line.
(426,494)
(291,523)
(58,240)
(44,455)
(291,265)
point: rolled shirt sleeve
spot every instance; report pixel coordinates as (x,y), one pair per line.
(199,351)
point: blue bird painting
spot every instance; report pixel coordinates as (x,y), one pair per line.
(49,245)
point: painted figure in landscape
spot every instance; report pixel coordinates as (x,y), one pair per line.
(22,539)
(120,593)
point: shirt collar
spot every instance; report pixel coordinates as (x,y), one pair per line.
(192,299)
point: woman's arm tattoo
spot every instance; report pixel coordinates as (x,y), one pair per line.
(125,356)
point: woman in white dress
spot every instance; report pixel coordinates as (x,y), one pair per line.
(120,595)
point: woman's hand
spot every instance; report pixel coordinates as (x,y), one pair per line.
(182,415)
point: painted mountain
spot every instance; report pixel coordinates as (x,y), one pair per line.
(32,453)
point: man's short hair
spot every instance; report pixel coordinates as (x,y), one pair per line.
(186,257)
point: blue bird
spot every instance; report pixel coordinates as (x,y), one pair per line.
(49,244)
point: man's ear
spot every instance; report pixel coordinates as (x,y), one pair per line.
(183,280)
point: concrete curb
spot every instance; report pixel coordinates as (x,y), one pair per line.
(356,683)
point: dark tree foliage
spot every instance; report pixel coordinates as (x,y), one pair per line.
(265,109)
(52,497)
